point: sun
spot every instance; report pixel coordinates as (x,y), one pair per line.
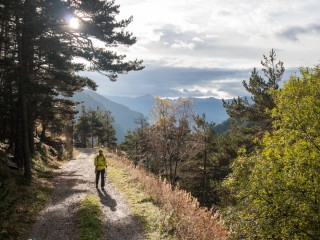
(74,23)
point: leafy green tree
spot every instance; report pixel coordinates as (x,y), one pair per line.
(277,187)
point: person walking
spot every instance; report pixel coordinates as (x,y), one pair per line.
(100,164)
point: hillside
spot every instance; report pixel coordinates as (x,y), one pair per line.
(124,117)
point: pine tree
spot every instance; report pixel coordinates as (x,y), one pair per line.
(107,134)
(196,169)
(37,48)
(135,143)
(82,129)
(259,90)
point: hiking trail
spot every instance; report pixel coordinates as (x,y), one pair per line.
(76,179)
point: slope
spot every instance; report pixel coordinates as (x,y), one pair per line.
(124,117)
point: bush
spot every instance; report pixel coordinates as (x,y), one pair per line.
(187,219)
(278,187)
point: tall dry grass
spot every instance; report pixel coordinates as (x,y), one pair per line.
(189,220)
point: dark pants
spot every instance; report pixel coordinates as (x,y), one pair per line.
(101,172)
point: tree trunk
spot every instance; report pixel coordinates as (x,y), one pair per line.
(91,140)
(18,150)
(13,125)
(27,162)
(204,168)
(24,50)
(83,139)
(31,133)
(43,132)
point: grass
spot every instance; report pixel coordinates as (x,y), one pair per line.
(180,214)
(19,199)
(89,219)
(156,222)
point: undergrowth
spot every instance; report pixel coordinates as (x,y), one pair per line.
(89,219)
(20,200)
(181,215)
(20,203)
(155,221)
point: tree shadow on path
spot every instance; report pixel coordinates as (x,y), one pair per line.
(107,200)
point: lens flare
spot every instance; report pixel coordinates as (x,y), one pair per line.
(74,23)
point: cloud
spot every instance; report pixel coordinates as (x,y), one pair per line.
(226,33)
(182,45)
(175,82)
(178,82)
(293,33)
(197,39)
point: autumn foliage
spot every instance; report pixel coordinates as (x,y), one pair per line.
(189,220)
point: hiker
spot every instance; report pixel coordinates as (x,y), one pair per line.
(100,164)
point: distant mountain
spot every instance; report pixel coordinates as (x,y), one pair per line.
(212,107)
(124,117)
(141,104)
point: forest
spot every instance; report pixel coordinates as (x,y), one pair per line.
(261,173)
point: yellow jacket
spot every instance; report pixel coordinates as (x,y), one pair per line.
(100,162)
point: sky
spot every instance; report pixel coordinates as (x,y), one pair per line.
(204,48)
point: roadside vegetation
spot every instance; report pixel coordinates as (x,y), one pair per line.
(154,219)
(89,219)
(20,197)
(166,212)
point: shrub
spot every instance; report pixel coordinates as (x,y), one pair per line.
(278,187)
(188,219)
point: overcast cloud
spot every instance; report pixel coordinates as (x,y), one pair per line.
(207,47)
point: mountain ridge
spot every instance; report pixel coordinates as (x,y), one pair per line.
(212,107)
(124,117)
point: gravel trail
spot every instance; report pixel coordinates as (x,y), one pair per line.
(76,180)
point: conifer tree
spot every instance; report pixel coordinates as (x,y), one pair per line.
(135,143)
(107,133)
(259,90)
(197,169)
(37,50)
(82,128)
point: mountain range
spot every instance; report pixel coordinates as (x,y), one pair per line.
(126,110)
(123,116)
(212,107)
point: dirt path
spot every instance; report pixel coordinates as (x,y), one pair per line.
(76,180)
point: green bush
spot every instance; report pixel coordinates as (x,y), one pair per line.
(278,186)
